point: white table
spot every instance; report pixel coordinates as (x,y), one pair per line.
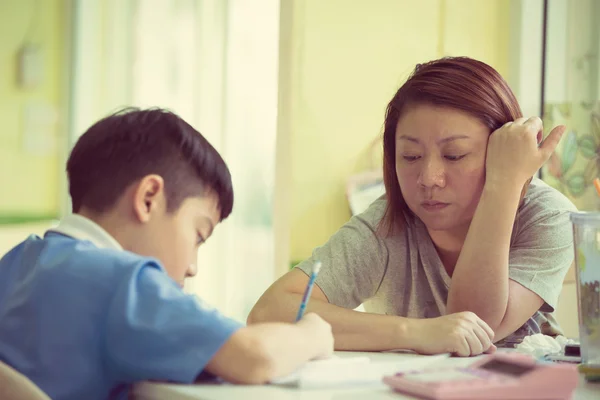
(155,391)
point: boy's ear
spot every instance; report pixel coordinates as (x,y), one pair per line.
(149,197)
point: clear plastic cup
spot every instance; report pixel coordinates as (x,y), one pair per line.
(586,239)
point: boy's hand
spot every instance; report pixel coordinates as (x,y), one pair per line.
(463,334)
(319,332)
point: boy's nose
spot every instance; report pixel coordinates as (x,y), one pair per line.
(192,270)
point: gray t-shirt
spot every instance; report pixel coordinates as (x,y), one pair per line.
(403,274)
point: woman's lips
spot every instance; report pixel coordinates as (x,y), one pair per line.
(434,205)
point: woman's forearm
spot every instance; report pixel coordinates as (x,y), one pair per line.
(352,330)
(480,278)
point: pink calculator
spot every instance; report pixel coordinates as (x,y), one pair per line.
(499,376)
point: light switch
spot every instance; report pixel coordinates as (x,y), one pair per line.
(39,128)
(30,66)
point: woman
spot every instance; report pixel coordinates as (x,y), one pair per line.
(465,249)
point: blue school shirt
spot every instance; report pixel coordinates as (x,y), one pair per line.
(83,319)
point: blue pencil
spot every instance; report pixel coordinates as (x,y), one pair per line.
(311,282)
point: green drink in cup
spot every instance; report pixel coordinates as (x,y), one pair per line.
(586,240)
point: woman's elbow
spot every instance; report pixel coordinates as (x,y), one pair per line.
(268,308)
(260,313)
(256,315)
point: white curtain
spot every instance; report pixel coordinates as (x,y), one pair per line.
(215,63)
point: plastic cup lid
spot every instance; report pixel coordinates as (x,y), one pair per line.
(585,217)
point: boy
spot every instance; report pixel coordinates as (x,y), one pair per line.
(97,304)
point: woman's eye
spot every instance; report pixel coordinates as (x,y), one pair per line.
(200,240)
(454,158)
(411,158)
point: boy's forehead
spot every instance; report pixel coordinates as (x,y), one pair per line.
(204,207)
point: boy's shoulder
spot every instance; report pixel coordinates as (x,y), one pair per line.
(68,261)
(85,256)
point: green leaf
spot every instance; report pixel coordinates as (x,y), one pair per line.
(591,171)
(565,109)
(596,126)
(588,146)
(576,185)
(589,106)
(569,151)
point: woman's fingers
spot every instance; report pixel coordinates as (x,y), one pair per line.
(549,144)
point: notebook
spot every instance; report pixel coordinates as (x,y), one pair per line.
(350,371)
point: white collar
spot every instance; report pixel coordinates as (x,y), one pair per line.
(82,228)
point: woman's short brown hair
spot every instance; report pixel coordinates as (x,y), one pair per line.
(460,83)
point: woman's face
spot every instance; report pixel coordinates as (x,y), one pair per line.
(440,164)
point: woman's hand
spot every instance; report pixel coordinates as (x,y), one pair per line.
(463,334)
(513,154)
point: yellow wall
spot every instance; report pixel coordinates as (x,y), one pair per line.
(348,59)
(12,235)
(29,182)
(478,29)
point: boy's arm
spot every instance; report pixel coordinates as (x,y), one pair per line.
(259,353)
(154,331)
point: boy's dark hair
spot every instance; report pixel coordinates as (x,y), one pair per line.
(132,143)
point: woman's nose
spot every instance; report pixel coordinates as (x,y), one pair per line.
(432,173)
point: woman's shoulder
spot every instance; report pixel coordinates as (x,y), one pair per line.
(544,199)
(544,203)
(375,213)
